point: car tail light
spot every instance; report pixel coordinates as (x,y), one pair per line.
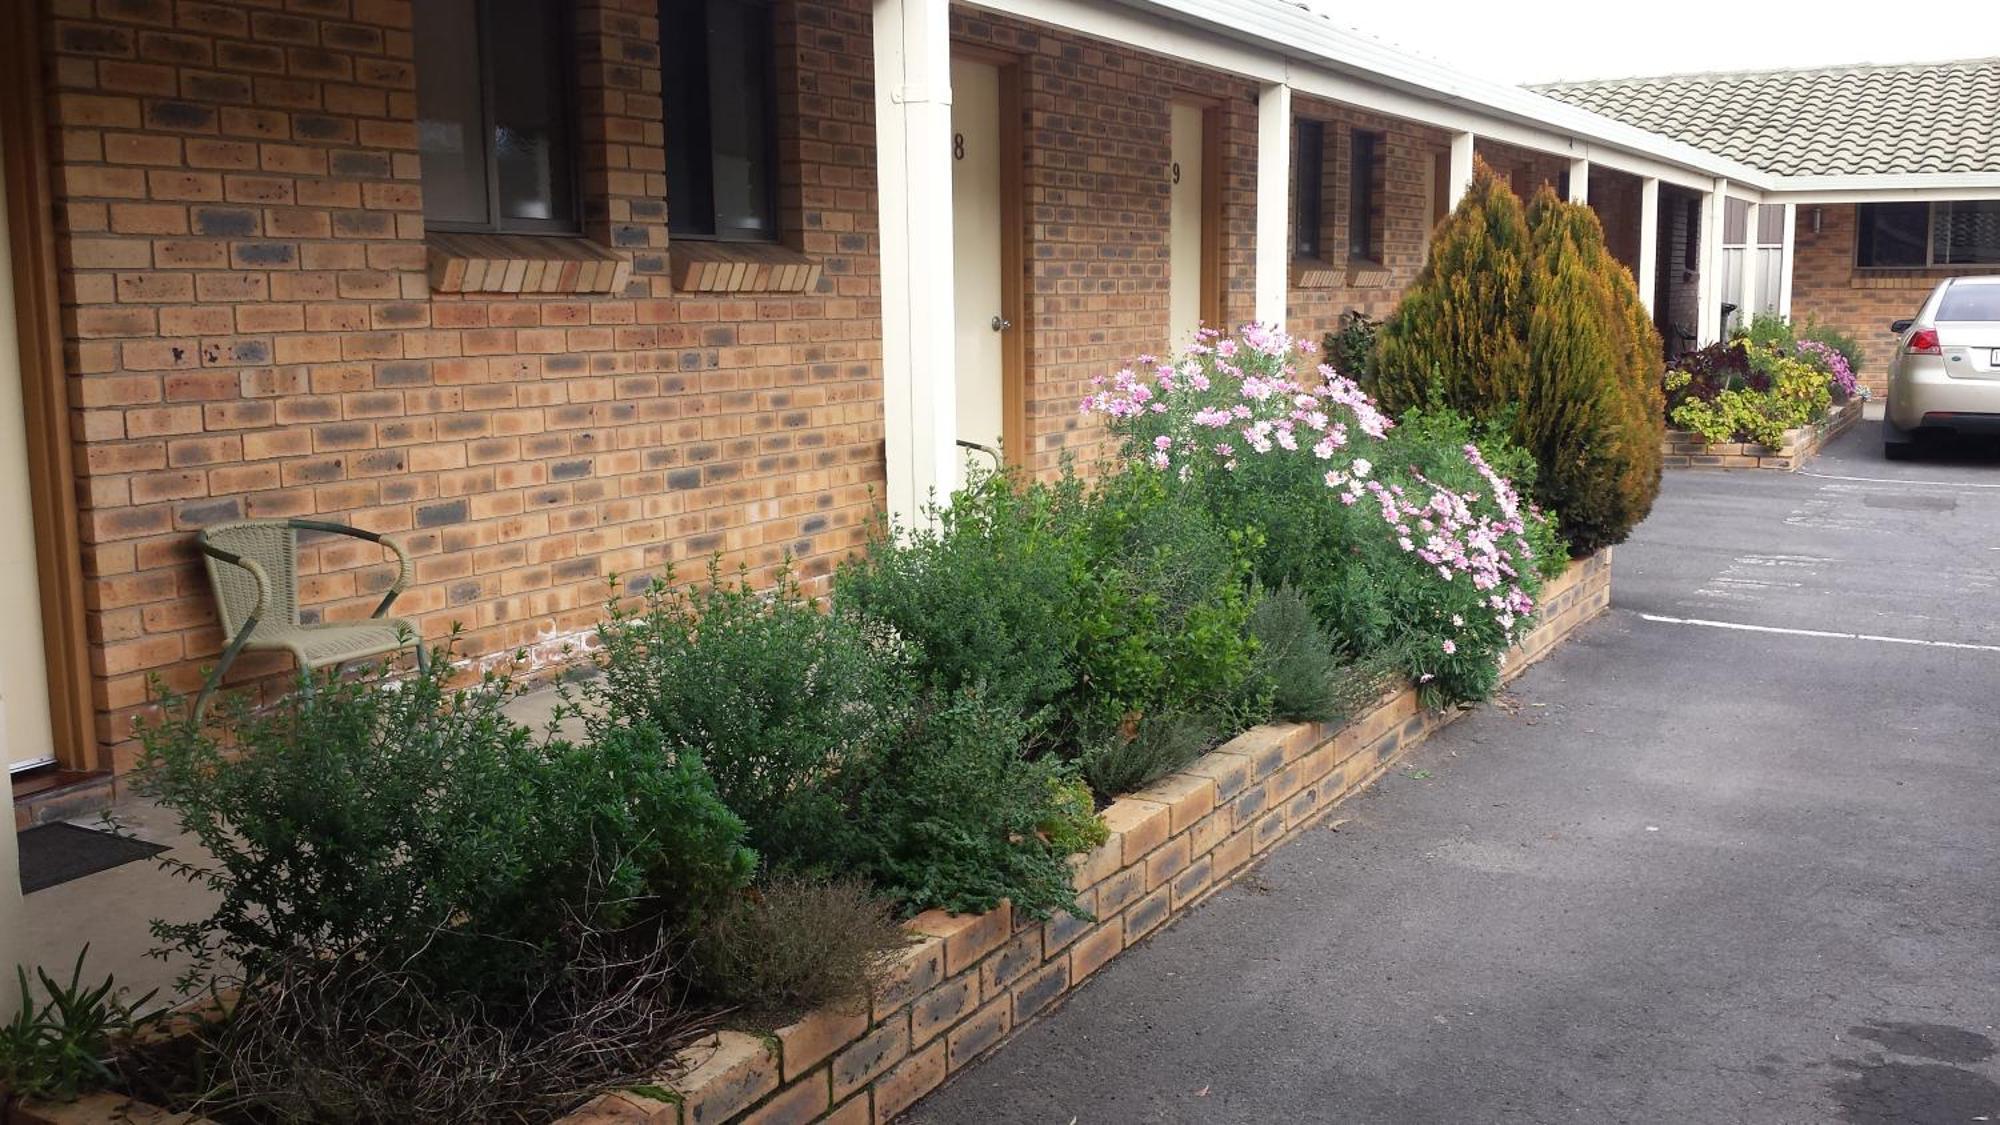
(1924,341)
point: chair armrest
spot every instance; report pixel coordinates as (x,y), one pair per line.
(256,572)
(405,571)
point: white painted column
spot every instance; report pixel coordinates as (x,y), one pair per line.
(1708,319)
(1274,203)
(913,177)
(1579,180)
(1785,244)
(1746,297)
(1461,167)
(1649,241)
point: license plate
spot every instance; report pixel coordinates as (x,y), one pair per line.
(1995,359)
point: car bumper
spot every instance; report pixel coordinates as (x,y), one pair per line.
(1923,400)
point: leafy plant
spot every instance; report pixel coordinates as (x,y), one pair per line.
(772,695)
(1159,745)
(792,945)
(1832,337)
(60,1047)
(1072,825)
(1296,667)
(955,816)
(1351,348)
(417,826)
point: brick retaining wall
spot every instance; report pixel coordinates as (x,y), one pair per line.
(1684,450)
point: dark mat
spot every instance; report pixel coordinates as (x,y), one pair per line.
(53,854)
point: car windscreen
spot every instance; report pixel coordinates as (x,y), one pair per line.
(1970,302)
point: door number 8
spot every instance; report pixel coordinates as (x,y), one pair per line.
(958,146)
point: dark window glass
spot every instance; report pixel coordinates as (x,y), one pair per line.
(1893,234)
(1364,196)
(1309,159)
(493,116)
(721,100)
(1966,233)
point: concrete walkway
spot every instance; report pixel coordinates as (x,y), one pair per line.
(1684,873)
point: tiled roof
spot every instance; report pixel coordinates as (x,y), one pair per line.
(1916,117)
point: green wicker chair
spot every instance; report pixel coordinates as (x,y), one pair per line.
(253,568)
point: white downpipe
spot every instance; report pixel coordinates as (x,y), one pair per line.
(1785,242)
(913,169)
(1579,180)
(1747,298)
(1708,319)
(1274,202)
(1649,241)
(1461,167)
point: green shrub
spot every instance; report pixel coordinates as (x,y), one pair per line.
(793,945)
(1296,667)
(774,696)
(60,1047)
(1776,393)
(1526,315)
(418,826)
(953,816)
(1158,745)
(1767,331)
(1073,826)
(985,595)
(1163,620)
(1351,348)
(1848,347)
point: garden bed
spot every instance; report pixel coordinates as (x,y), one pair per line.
(967,982)
(1683,449)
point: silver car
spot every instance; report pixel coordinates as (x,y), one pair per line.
(1946,374)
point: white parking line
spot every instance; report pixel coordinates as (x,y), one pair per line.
(1891,480)
(1742,628)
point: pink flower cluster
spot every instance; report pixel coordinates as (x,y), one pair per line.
(1828,359)
(1229,398)
(1223,392)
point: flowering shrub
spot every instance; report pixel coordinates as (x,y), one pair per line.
(1743,390)
(1395,543)
(1830,360)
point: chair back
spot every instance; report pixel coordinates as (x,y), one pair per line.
(275,547)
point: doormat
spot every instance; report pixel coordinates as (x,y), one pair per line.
(54,854)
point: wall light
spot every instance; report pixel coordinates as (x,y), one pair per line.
(1817,213)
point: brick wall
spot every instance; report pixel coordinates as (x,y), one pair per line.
(1408,153)
(251,334)
(1524,170)
(1826,286)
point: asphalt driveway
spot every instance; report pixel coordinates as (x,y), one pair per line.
(1687,871)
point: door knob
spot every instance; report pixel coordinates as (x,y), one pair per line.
(1002,324)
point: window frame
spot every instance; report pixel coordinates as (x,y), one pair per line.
(713,230)
(565,79)
(1363,197)
(1930,261)
(1308,237)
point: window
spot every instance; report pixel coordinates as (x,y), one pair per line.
(493,116)
(1308,168)
(1364,196)
(1920,235)
(721,101)
(1970,302)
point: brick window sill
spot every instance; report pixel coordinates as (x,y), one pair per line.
(741,267)
(1357,273)
(522,263)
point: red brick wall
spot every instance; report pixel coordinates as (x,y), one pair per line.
(1828,288)
(1408,153)
(1524,170)
(251,334)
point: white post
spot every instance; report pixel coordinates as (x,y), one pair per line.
(913,176)
(1785,241)
(1649,240)
(1461,168)
(1579,180)
(1746,299)
(13,943)
(1274,203)
(1708,319)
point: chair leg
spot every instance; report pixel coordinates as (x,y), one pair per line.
(423,658)
(222,664)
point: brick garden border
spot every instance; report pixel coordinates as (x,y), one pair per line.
(1684,450)
(969,981)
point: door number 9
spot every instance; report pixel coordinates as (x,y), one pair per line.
(1177,171)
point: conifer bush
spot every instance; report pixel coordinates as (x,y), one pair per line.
(1522,315)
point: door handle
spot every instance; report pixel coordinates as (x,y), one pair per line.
(1002,324)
